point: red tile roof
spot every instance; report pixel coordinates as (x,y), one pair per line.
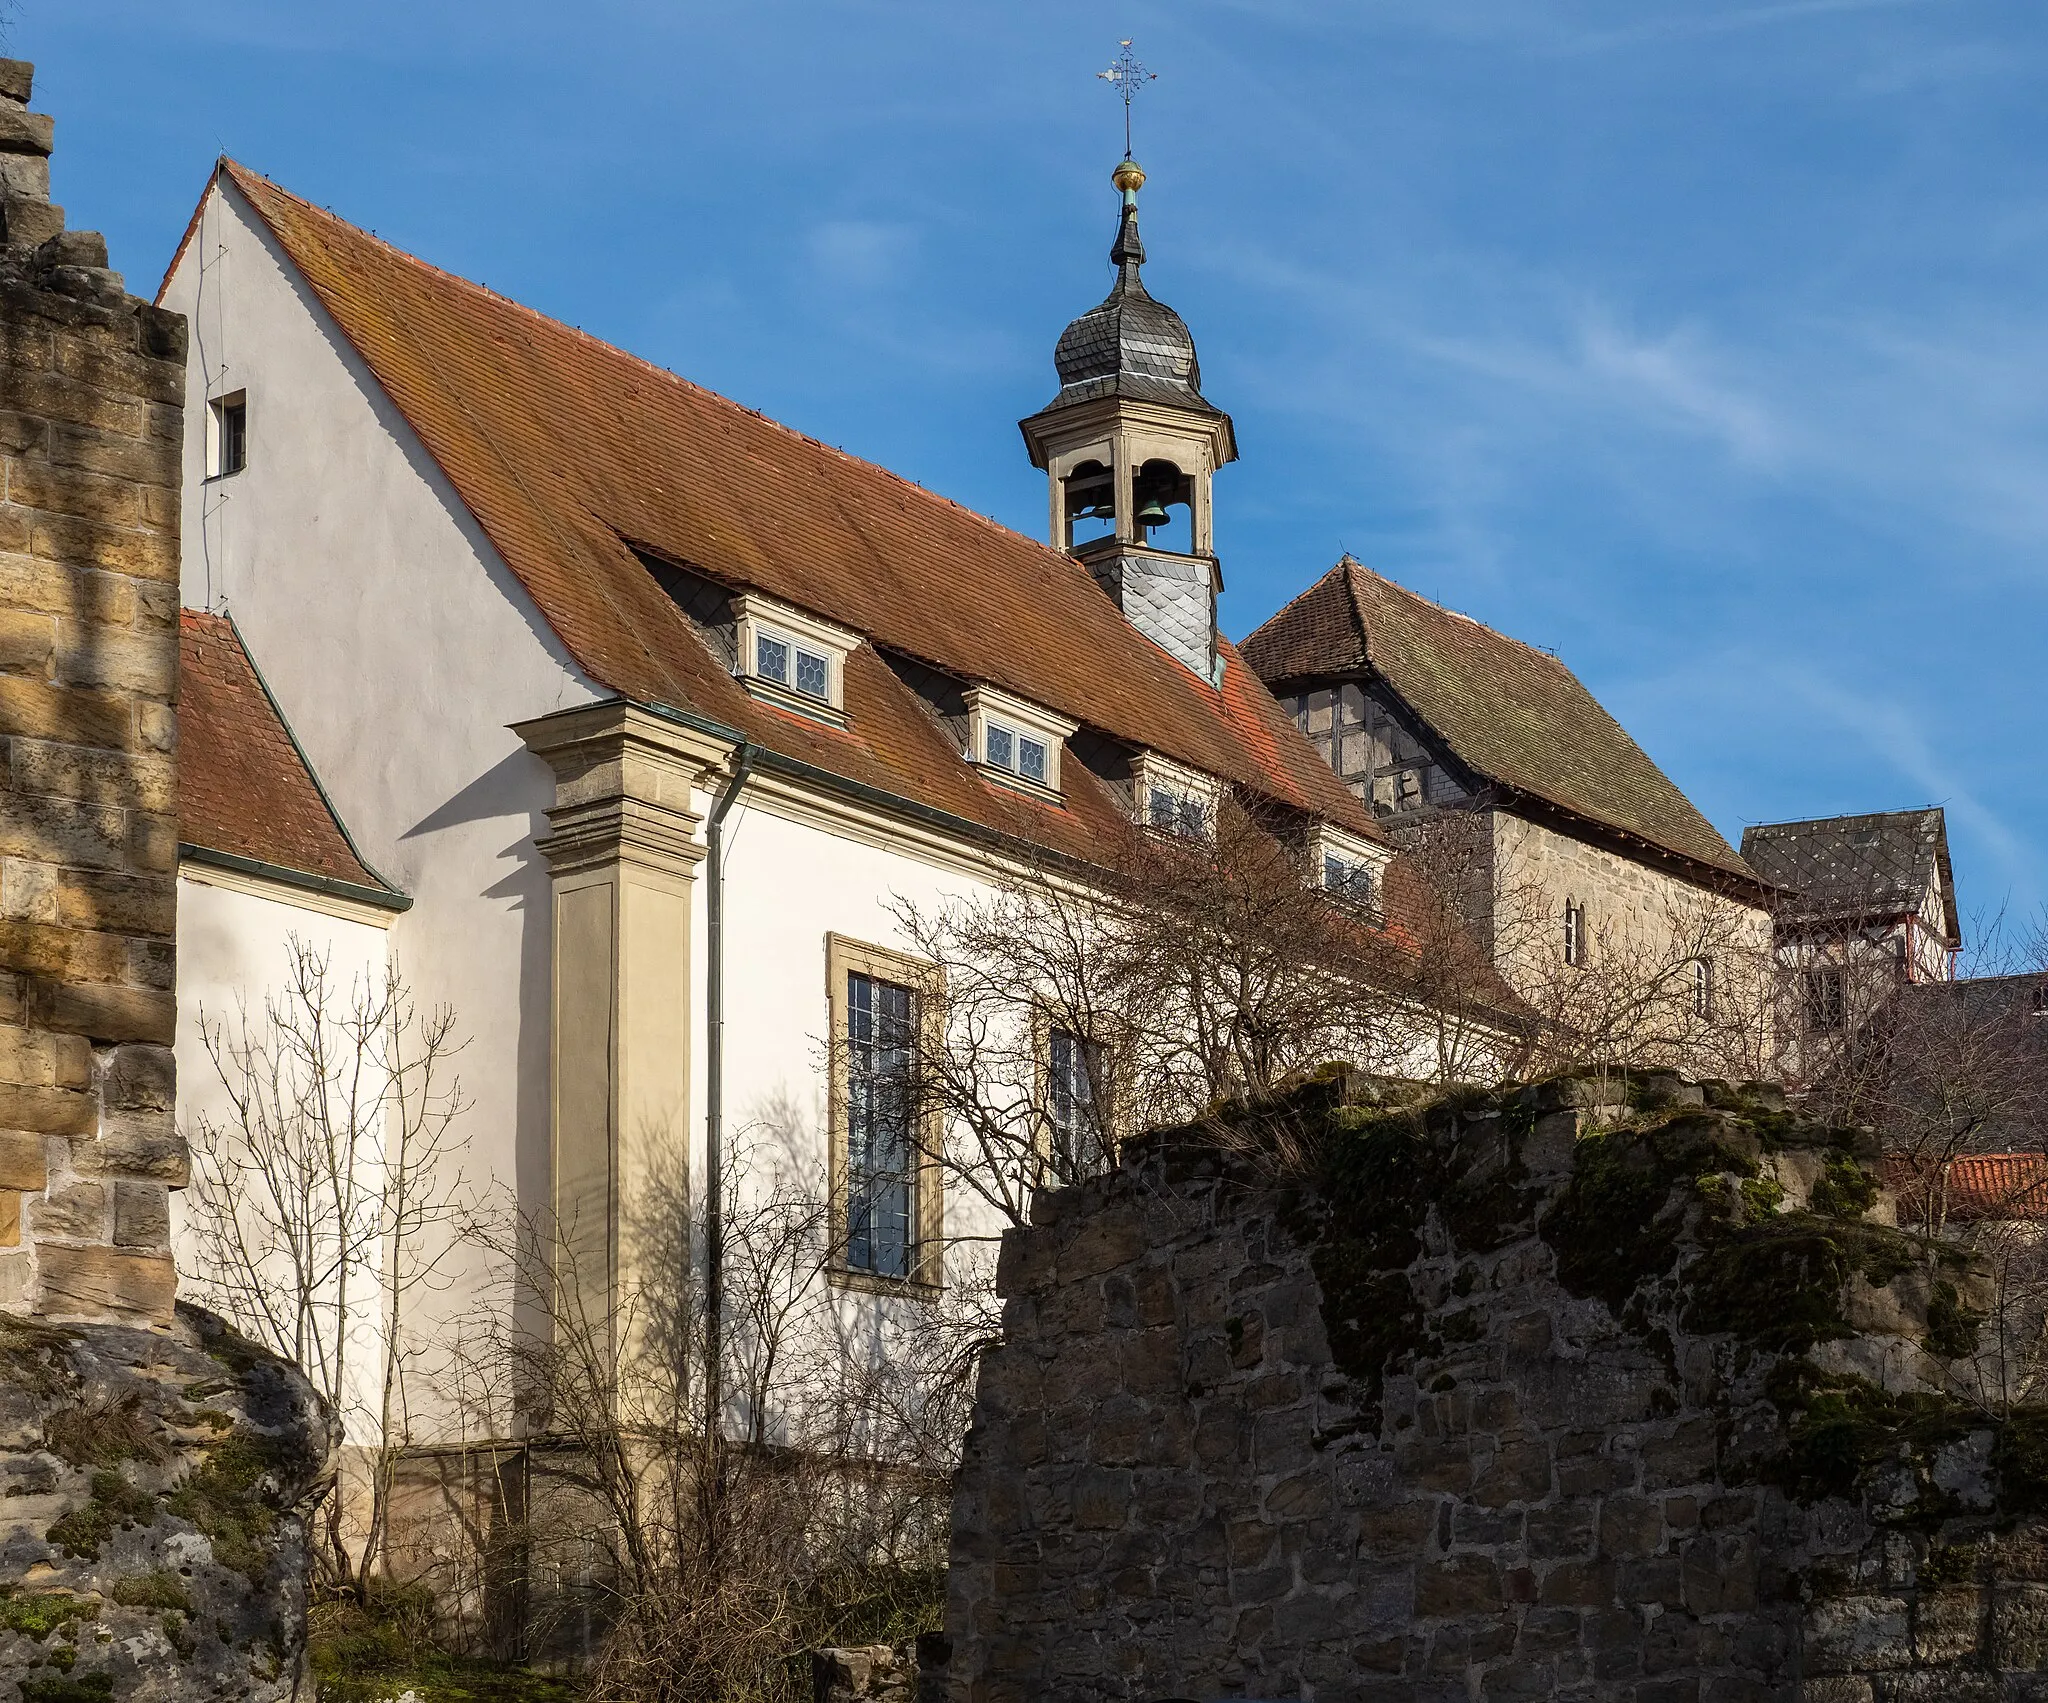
(1977,1186)
(243,784)
(572,454)
(1515,715)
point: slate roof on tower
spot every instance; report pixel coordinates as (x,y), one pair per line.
(583,463)
(1858,867)
(1513,715)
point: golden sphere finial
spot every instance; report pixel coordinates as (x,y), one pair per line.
(1128,177)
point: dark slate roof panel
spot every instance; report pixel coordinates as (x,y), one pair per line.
(1840,866)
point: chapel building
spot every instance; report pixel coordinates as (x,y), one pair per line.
(623,721)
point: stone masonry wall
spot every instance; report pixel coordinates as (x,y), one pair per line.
(1592,1390)
(152,1464)
(91,417)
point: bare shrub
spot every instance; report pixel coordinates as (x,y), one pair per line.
(326,1204)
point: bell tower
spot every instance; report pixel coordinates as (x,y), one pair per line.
(1130,446)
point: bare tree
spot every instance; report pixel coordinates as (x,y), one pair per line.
(676,1562)
(326,1202)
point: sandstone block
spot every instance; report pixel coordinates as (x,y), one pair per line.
(25,176)
(25,132)
(10,1220)
(17,79)
(122,450)
(144,662)
(33,1059)
(136,1144)
(153,841)
(61,830)
(119,904)
(36,484)
(120,372)
(74,1209)
(45,711)
(26,641)
(47,1111)
(92,1283)
(69,406)
(142,1078)
(27,222)
(105,1012)
(90,544)
(95,776)
(1461,1585)
(142,1214)
(30,584)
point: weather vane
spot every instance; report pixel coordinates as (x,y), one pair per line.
(1127,75)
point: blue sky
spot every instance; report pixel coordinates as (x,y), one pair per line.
(1704,342)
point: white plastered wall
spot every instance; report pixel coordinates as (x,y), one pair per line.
(399,647)
(234,954)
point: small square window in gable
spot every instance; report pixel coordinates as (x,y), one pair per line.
(791,658)
(1171,799)
(1016,742)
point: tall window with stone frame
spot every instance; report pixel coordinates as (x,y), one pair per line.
(1703,988)
(881,1149)
(1073,1104)
(886,1187)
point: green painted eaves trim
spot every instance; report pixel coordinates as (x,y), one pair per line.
(383,898)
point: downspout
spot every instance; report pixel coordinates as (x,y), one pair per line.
(714,1090)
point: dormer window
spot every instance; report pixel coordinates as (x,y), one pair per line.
(1015,741)
(794,660)
(1346,867)
(1174,800)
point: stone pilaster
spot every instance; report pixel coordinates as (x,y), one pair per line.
(91,420)
(623,851)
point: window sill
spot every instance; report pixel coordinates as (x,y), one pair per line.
(1017,783)
(873,1283)
(784,698)
(223,478)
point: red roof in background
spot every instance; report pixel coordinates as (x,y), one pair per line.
(1978,1186)
(243,785)
(571,453)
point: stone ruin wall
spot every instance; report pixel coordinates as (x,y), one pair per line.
(151,1463)
(91,421)
(1491,1408)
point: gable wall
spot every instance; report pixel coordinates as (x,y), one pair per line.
(398,647)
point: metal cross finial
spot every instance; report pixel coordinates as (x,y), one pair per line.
(1127,75)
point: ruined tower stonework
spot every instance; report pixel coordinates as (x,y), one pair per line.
(90,430)
(1591,1390)
(151,1463)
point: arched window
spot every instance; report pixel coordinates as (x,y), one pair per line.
(1091,503)
(1703,987)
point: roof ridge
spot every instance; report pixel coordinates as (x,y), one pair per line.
(1548,656)
(238,170)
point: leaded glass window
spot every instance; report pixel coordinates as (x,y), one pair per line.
(771,659)
(881,1150)
(1000,747)
(813,675)
(1031,759)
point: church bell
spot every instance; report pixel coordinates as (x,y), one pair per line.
(1151,512)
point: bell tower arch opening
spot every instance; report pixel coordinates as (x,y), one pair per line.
(1129,447)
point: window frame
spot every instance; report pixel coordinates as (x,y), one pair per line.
(1703,988)
(1329,844)
(844,958)
(757,618)
(992,710)
(1574,933)
(219,411)
(1101,1103)
(1190,788)
(1824,999)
